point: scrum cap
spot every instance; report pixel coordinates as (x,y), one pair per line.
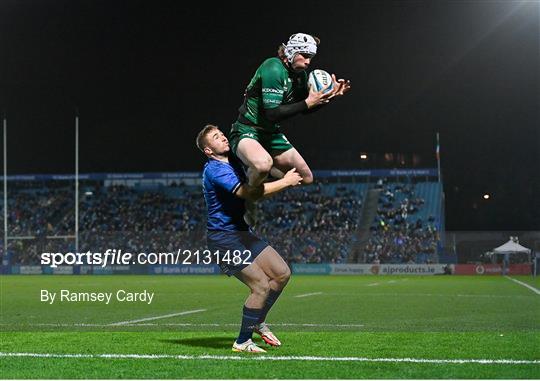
(300,43)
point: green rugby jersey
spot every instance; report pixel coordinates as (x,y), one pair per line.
(272,85)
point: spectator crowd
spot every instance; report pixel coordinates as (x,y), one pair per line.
(311,224)
(398,233)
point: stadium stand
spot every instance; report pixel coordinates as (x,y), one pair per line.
(313,224)
(406,227)
(319,223)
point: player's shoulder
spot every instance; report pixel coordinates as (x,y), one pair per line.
(214,168)
(211,168)
(273,61)
(273,66)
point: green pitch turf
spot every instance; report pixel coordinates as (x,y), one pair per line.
(330,326)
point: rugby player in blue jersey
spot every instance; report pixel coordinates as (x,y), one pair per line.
(257,264)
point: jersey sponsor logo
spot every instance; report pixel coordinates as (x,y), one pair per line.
(249,135)
(274,91)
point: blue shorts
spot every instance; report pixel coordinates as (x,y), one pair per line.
(237,250)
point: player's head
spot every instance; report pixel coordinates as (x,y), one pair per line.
(212,142)
(299,50)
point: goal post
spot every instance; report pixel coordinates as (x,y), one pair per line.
(31,243)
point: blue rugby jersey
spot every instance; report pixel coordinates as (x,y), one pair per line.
(225,209)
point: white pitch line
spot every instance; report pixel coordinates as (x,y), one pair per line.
(182,325)
(524,284)
(310,294)
(373,284)
(265,358)
(156,317)
(396,294)
(237,324)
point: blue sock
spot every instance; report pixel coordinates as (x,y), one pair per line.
(270,300)
(250,317)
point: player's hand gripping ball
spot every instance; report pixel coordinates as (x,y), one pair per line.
(320,79)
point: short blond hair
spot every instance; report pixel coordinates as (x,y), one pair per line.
(201,140)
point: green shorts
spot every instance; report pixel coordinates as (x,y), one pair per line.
(272,142)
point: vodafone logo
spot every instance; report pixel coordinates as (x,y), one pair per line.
(480,270)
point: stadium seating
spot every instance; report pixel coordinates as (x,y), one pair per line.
(311,224)
(406,228)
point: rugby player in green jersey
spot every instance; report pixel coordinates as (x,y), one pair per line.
(278,90)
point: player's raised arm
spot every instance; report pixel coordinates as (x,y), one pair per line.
(247,192)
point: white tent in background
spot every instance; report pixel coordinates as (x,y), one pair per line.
(511,247)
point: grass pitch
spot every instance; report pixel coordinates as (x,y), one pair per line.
(330,326)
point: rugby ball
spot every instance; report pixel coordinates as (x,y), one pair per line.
(319,79)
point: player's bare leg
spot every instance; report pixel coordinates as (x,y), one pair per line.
(256,158)
(291,158)
(279,274)
(259,163)
(259,284)
(276,173)
(275,268)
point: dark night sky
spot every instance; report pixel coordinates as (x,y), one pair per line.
(147,75)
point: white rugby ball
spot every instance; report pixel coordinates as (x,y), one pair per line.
(319,79)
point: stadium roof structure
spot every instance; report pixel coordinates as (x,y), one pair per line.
(511,247)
